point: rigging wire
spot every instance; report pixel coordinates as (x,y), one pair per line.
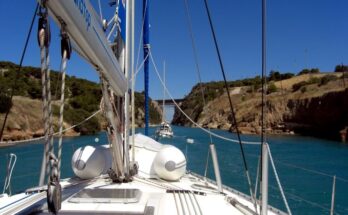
(188,117)
(230,102)
(10,167)
(14,86)
(296,197)
(141,35)
(278,180)
(194,49)
(303,168)
(71,127)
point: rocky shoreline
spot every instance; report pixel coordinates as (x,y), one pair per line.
(319,110)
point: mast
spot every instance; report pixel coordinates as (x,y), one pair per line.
(164,91)
(133,89)
(128,71)
(146,42)
(264,148)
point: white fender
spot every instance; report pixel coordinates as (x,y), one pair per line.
(89,161)
(170,163)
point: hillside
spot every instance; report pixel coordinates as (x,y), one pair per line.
(82,99)
(313,104)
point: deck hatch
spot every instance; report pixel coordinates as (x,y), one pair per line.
(106,196)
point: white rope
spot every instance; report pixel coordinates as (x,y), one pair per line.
(44,105)
(278,181)
(55,134)
(83,121)
(138,69)
(193,122)
(49,103)
(141,35)
(257,176)
(61,111)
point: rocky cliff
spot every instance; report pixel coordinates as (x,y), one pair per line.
(306,104)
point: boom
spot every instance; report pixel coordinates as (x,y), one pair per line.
(84,28)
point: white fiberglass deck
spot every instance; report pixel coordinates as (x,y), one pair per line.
(146,194)
(190,195)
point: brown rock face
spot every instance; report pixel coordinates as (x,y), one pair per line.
(322,116)
(320,111)
(25,120)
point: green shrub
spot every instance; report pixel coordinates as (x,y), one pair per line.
(309,71)
(272,88)
(34,90)
(286,76)
(5,103)
(327,78)
(304,71)
(341,68)
(297,86)
(314,80)
(303,89)
(74,116)
(314,71)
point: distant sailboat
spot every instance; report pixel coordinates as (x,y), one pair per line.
(165,130)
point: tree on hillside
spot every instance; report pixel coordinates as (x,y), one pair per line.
(341,68)
(286,75)
(272,88)
(309,71)
(277,76)
(274,76)
(5,103)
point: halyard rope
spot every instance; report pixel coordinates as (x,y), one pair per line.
(61,111)
(44,64)
(66,52)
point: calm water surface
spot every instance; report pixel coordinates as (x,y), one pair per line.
(308,192)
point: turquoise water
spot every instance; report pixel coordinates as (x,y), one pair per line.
(307,192)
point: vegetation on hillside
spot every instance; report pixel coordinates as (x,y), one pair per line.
(193,102)
(282,88)
(82,96)
(139,102)
(341,68)
(309,71)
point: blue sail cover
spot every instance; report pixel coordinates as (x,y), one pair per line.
(146,43)
(122,19)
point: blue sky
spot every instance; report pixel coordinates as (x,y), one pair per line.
(300,34)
